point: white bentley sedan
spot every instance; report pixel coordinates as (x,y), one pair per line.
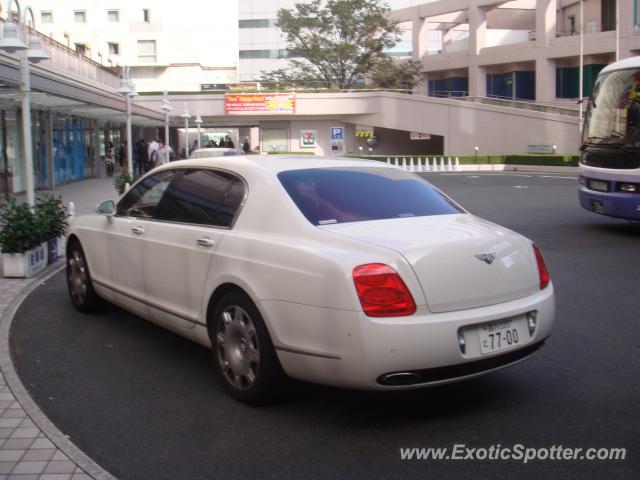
(346,273)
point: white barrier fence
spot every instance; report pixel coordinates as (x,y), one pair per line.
(427,164)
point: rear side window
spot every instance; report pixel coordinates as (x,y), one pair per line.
(202,197)
(341,195)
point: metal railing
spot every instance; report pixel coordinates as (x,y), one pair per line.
(535,107)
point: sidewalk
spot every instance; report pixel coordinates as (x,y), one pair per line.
(31,447)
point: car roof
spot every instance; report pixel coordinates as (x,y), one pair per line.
(273,164)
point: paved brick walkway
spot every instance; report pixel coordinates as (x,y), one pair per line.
(31,448)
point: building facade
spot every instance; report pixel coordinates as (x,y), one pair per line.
(262,47)
(518,50)
(168,46)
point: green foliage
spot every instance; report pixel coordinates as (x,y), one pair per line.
(52,216)
(397,75)
(121,180)
(24,228)
(335,43)
(21,230)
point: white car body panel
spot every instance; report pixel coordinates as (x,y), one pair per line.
(300,278)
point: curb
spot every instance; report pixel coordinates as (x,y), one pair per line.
(59,439)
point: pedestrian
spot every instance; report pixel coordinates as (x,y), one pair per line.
(121,156)
(151,149)
(230,143)
(222,143)
(140,158)
(163,154)
(194,146)
(109,159)
(246,148)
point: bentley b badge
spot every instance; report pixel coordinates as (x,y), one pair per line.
(486,257)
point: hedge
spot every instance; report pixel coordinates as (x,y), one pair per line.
(515,159)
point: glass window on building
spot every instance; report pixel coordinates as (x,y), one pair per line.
(113,15)
(80,16)
(275,140)
(11,167)
(46,16)
(256,54)
(81,48)
(568,80)
(146,15)
(114,48)
(147,51)
(257,23)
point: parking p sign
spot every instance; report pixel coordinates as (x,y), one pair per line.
(337,139)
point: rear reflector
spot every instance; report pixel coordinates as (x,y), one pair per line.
(382,292)
(542,268)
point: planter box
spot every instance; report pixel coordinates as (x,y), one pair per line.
(25,265)
(62,246)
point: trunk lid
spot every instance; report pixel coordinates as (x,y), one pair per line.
(448,253)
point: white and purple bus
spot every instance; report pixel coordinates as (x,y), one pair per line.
(610,160)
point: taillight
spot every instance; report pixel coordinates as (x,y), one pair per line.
(382,292)
(542,268)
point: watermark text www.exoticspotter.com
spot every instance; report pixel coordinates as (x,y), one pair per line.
(517,452)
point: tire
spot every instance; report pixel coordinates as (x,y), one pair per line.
(79,285)
(243,352)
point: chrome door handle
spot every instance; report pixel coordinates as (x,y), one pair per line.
(137,230)
(205,242)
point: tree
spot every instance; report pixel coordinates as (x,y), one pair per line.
(335,42)
(402,75)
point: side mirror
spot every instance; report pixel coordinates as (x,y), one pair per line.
(106,208)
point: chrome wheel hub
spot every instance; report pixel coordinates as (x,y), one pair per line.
(237,347)
(77,277)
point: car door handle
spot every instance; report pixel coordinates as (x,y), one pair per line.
(205,242)
(137,230)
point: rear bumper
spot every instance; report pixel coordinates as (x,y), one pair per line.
(349,349)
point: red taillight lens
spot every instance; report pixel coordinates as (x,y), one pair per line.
(382,292)
(542,268)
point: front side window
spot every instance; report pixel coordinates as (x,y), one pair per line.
(202,197)
(142,200)
(327,196)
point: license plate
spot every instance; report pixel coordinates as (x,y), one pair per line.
(599,185)
(502,335)
(597,207)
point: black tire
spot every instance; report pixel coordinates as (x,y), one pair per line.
(79,285)
(243,352)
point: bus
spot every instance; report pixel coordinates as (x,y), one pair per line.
(610,159)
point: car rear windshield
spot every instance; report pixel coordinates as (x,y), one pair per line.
(341,195)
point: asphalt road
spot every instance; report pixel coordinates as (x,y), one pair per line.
(144,404)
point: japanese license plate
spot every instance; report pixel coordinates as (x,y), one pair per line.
(502,335)
(597,207)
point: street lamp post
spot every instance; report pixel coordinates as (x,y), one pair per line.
(186,117)
(12,43)
(128,90)
(166,108)
(198,122)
